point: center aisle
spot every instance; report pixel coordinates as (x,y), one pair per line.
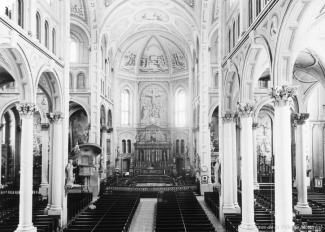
(143,219)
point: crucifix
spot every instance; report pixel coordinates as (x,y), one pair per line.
(153,96)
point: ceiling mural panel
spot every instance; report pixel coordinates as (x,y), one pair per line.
(153,59)
(77,9)
(154,55)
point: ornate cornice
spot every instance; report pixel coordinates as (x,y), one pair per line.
(245,109)
(281,94)
(54,117)
(299,119)
(229,117)
(26,109)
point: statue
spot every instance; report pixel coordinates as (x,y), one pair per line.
(216,172)
(69,174)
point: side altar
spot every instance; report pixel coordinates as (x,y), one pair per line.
(153,152)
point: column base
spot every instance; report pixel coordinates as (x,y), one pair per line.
(205,188)
(256,185)
(303,208)
(54,210)
(43,190)
(226,209)
(26,228)
(243,227)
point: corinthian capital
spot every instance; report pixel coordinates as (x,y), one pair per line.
(245,109)
(299,119)
(281,94)
(229,117)
(54,117)
(26,109)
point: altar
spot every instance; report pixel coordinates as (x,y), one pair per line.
(153,151)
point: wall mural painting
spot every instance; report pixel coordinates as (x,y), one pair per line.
(77,9)
(153,106)
(79,128)
(178,62)
(153,59)
(129,60)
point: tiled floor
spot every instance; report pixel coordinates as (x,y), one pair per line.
(144,216)
(215,222)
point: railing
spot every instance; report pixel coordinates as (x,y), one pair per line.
(153,189)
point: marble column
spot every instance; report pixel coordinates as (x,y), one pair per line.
(228,205)
(235,163)
(26,111)
(45,160)
(301,164)
(282,158)
(1,135)
(57,184)
(245,111)
(255,181)
(104,152)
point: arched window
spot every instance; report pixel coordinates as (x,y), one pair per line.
(54,41)
(238,26)
(250,12)
(258,7)
(109,118)
(123,146)
(71,81)
(125,107)
(46,28)
(229,40)
(74,46)
(81,81)
(177,146)
(233,34)
(38,26)
(182,146)
(180,108)
(129,146)
(21,13)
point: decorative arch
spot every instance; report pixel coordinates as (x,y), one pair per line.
(258,59)
(49,80)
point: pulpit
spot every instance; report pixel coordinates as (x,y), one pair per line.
(87,160)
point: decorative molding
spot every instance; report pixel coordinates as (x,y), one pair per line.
(299,119)
(245,109)
(26,109)
(229,117)
(54,117)
(282,94)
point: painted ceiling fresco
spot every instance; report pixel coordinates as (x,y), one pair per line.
(155,54)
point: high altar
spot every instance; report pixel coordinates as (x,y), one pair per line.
(153,151)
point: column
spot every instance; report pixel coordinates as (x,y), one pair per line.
(57,184)
(45,160)
(301,165)
(104,152)
(1,135)
(245,111)
(26,111)
(235,162)
(227,161)
(243,8)
(255,181)
(282,158)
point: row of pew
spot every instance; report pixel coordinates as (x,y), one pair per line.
(111,212)
(180,211)
(77,202)
(316,220)
(43,223)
